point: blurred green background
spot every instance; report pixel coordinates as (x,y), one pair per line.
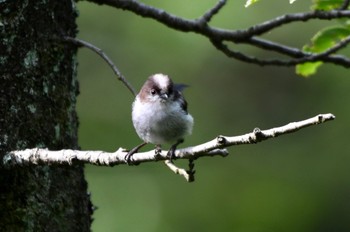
(297,182)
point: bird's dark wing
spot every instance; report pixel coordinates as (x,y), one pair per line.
(180,87)
(179,97)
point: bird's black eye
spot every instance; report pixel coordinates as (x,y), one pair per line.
(153,91)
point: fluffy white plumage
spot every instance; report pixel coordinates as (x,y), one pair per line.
(159,112)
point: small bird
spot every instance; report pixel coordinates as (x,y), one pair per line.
(159,114)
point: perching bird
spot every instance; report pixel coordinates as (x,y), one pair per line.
(159,114)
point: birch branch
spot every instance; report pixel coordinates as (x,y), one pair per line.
(187,174)
(215,147)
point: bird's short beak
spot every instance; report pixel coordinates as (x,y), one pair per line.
(164,96)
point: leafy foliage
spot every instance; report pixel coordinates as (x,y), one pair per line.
(327,38)
(323,40)
(308,68)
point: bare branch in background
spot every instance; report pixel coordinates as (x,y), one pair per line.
(250,36)
(82,43)
(215,147)
(306,57)
(210,13)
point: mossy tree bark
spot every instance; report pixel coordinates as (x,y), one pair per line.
(38,89)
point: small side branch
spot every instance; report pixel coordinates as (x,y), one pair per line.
(210,13)
(269,25)
(215,147)
(345,5)
(296,53)
(187,174)
(325,56)
(103,55)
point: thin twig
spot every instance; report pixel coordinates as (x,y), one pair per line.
(210,13)
(182,172)
(99,51)
(345,5)
(307,57)
(296,53)
(269,25)
(341,44)
(243,57)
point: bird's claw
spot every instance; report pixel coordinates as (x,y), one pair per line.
(171,152)
(128,157)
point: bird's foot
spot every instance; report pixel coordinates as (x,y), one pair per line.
(171,152)
(128,157)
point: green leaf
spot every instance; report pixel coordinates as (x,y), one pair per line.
(307,69)
(327,38)
(326,4)
(320,42)
(250,2)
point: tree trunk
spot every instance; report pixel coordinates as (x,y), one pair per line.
(38,88)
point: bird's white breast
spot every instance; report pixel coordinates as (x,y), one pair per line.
(160,122)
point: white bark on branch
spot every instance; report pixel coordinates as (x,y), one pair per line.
(215,147)
(187,174)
